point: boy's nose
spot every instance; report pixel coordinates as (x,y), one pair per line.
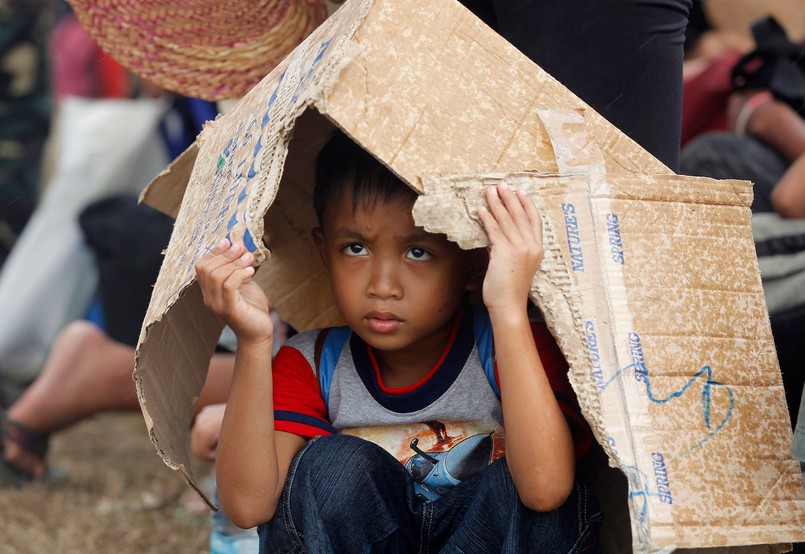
(384,281)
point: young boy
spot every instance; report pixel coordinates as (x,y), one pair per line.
(406,375)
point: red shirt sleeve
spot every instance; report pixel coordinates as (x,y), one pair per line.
(298,404)
(556,369)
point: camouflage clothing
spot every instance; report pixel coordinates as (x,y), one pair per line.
(24,110)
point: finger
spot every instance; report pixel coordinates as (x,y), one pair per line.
(221,276)
(221,245)
(490,224)
(230,288)
(532,214)
(516,208)
(511,217)
(214,257)
(218,259)
(496,214)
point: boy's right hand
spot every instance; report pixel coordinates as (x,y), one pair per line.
(514,227)
(225,276)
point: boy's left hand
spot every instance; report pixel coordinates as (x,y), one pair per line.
(514,227)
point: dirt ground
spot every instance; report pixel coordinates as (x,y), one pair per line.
(117,497)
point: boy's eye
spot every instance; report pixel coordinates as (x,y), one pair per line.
(417,253)
(355,249)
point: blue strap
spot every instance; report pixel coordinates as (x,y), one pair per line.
(334,343)
(482,327)
(337,337)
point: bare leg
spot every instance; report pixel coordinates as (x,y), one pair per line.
(88,373)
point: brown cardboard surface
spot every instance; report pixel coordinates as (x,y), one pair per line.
(430,90)
(685,374)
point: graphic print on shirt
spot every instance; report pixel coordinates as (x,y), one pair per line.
(439,455)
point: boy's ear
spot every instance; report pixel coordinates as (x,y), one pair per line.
(318,239)
(479,260)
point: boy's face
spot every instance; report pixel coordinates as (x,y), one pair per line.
(396,285)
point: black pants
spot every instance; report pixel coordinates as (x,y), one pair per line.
(622,57)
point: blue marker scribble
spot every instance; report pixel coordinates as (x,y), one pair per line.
(241,139)
(707,395)
(639,493)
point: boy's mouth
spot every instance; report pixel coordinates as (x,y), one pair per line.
(382,322)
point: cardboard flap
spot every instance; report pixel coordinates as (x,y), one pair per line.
(231,174)
(651,287)
(166,191)
(649,284)
(689,391)
(186,339)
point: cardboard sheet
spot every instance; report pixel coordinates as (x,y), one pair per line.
(650,283)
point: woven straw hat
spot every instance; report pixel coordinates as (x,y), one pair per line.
(203,48)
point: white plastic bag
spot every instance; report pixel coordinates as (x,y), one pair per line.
(103,147)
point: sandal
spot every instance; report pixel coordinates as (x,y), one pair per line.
(34,442)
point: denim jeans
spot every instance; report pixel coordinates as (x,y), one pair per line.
(347,495)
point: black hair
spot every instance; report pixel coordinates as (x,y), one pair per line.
(344,167)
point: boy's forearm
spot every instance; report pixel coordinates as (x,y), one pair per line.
(539,446)
(246,467)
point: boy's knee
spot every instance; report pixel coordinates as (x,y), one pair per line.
(344,463)
(497,486)
(348,478)
(341,454)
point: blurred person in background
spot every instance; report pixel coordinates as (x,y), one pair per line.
(25,109)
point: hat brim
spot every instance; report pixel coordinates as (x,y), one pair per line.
(201,48)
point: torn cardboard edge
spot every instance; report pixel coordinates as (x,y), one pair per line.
(365,71)
(598,374)
(174,328)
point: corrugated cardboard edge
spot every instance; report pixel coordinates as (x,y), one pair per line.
(164,193)
(463,193)
(633,159)
(578,155)
(629,157)
(553,289)
(576,150)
